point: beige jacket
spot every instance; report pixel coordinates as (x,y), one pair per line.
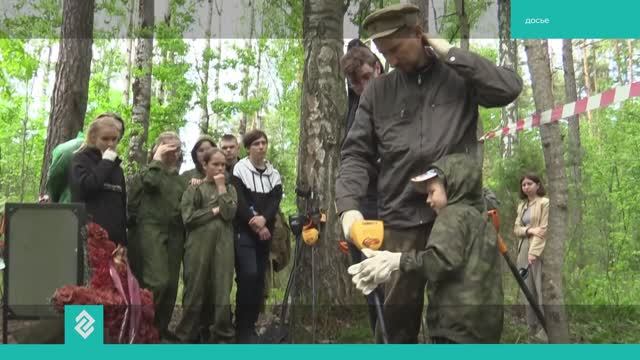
(539,218)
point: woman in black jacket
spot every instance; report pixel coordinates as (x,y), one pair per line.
(97,180)
(259,191)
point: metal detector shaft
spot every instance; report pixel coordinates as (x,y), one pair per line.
(527,293)
(313,295)
(378,304)
(379,313)
(502,248)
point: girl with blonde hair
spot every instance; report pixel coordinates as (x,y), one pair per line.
(97,180)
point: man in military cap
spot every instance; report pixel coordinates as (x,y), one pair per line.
(426,108)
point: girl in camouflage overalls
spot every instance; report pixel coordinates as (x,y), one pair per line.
(208,210)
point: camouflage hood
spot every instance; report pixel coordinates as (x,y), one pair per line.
(462,178)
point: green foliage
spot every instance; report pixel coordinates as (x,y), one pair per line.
(283,122)
(33,19)
(601,259)
(22,134)
(448,24)
(359,10)
(15,63)
(600,264)
(611,211)
(175,90)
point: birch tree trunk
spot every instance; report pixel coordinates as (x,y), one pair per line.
(553,148)
(142,86)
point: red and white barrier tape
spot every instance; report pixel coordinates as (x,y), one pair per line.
(598,101)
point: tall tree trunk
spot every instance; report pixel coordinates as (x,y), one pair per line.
(553,148)
(204,80)
(438,21)
(629,61)
(508,53)
(142,86)
(71,87)
(463,18)
(575,148)
(620,63)
(257,91)
(45,76)
(25,129)
(257,117)
(130,37)
(424,13)
(586,76)
(594,69)
(219,54)
(167,57)
(322,110)
(364,8)
(246,81)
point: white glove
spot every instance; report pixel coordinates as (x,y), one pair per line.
(375,270)
(348,218)
(439,45)
(109,155)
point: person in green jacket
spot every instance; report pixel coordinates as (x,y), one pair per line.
(208,210)
(157,233)
(203,145)
(58,175)
(460,261)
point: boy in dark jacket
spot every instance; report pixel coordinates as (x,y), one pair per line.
(460,261)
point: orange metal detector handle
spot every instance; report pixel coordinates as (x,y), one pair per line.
(495,219)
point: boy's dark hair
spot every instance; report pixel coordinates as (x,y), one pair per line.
(252,136)
(355,43)
(355,58)
(536,179)
(206,157)
(229,137)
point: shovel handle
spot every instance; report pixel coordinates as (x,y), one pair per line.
(495,219)
(502,247)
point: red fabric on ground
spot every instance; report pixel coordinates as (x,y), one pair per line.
(102,290)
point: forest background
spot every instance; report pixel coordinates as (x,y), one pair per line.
(222,66)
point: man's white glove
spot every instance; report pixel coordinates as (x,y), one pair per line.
(439,45)
(109,155)
(348,218)
(375,270)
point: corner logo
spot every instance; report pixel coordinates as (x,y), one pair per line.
(84,324)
